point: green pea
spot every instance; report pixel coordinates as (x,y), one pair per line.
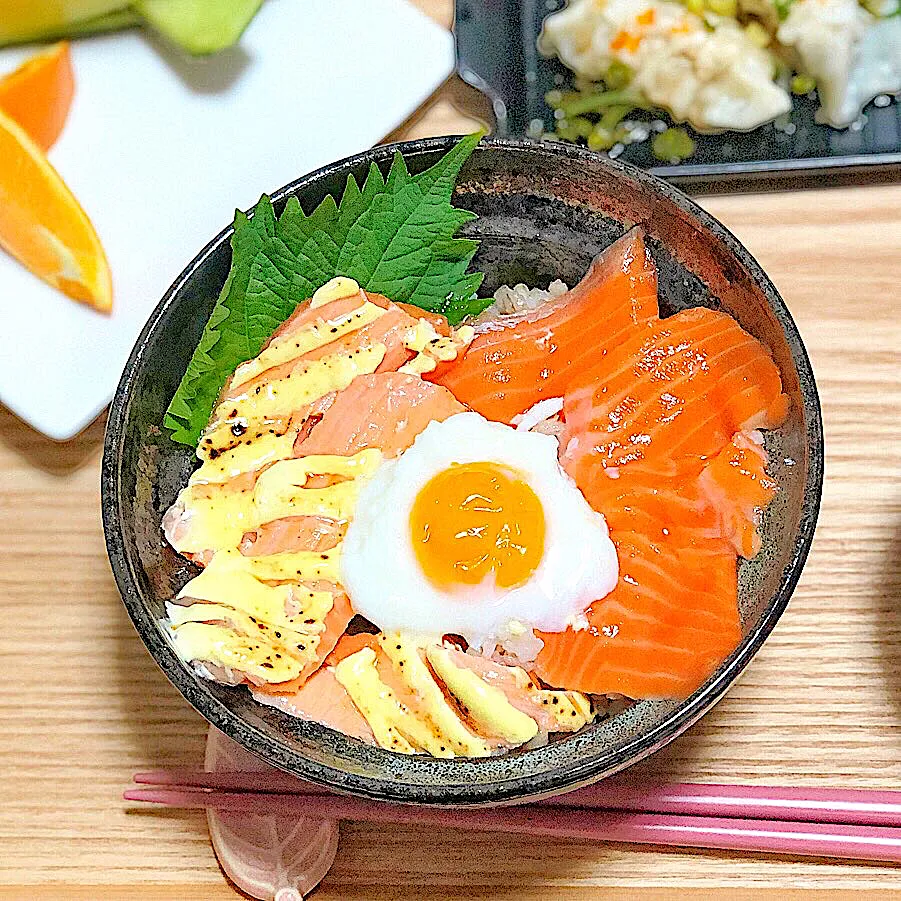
(618,76)
(803,84)
(673,145)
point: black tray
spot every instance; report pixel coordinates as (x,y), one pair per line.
(496,54)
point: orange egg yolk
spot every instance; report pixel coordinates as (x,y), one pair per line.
(475,519)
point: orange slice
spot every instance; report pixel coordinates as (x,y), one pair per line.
(39,93)
(43,226)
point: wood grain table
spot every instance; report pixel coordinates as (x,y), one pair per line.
(82,705)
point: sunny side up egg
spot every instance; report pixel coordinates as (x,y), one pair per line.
(476,531)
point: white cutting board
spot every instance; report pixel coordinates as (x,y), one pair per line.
(160,149)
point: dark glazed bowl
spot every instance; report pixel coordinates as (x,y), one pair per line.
(544,211)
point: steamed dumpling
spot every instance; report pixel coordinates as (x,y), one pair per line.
(713,77)
(852,55)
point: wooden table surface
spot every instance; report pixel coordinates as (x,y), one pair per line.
(82,705)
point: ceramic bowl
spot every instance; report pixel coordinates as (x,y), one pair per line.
(544,212)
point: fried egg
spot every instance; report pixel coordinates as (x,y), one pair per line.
(476,531)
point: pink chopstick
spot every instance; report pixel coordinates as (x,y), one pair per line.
(862,807)
(873,843)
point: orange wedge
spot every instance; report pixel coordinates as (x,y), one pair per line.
(39,93)
(43,226)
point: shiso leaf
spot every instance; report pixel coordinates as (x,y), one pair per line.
(395,236)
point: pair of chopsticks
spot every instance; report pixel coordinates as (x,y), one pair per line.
(841,823)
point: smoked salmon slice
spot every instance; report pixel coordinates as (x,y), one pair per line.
(669,623)
(528,357)
(386,410)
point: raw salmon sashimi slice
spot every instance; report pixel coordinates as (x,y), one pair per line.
(537,355)
(669,623)
(737,488)
(724,502)
(668,401)
(386,410)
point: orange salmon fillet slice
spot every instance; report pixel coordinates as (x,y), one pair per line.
(668,400)
(723,502)
(736,486)
(665,628)
(539,354)
(336,621)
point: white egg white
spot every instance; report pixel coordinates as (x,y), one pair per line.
(383,577)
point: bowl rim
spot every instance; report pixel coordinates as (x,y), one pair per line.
(516,788)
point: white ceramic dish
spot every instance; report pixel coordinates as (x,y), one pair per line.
(143,152)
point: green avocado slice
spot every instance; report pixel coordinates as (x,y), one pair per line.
(200,27)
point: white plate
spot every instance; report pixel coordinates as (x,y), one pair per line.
(160,149)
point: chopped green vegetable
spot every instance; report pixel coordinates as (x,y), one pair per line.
(578,103)
(553,98)
(607,132)
(395,237)
(673,145)
(803,84)
(782,8)
(573,129)
(618,76)
(695,6)
(880,8)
